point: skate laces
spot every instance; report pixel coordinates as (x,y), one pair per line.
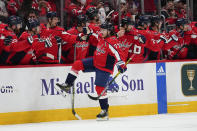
(64,84)
(103,111)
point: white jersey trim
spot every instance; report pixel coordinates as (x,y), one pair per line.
(115,52)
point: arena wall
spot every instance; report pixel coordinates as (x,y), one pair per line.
(27,93)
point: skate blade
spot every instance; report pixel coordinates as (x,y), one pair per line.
(63,88)
(103,119)
(61,92)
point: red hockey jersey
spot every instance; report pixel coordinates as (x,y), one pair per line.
(107,54)
(51,54)
(138,49)
(78,47)
(176,44)
(7,40)
(22,52)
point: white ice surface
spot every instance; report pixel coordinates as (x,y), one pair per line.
(164,122)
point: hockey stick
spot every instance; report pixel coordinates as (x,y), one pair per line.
(73,93)
(97,98)
(109,14)
(176,55)
(73,105)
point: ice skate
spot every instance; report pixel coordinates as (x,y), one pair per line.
(64,87)
(103,116)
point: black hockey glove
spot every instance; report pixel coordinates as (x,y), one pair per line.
(142,39)
(87,31)
(121,66)
(58,39)
(8,40)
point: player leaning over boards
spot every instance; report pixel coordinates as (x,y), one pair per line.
(102,63)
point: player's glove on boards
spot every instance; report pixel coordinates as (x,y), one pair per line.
(121,66)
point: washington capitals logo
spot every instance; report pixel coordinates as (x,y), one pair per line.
(82,45)
(123,45)
(100,50)
(114,86)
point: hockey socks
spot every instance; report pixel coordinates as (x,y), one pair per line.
(103,101)
(70,79)
(76,67)
(104,104)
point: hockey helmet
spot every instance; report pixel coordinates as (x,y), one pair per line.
(81,19)
(107,25)
(51,14)
(181,22)
(154,20)
(92,12)
(126,21)
(32,23)
(143,20)
(12,20)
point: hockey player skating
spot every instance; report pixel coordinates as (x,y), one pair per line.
(102,63)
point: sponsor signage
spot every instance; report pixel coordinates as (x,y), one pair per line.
(161,87)
(189,79)
(6,89)
(34,88)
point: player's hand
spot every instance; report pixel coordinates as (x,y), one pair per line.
(121,66)
(8,40)
(82,37)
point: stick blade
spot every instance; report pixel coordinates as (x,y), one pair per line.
(93,98)
(76,115)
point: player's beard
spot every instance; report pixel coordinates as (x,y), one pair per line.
(52,25)
(108,34)
(16,30)
(127,29)
(35,31)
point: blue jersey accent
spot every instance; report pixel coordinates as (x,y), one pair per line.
(161,88)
